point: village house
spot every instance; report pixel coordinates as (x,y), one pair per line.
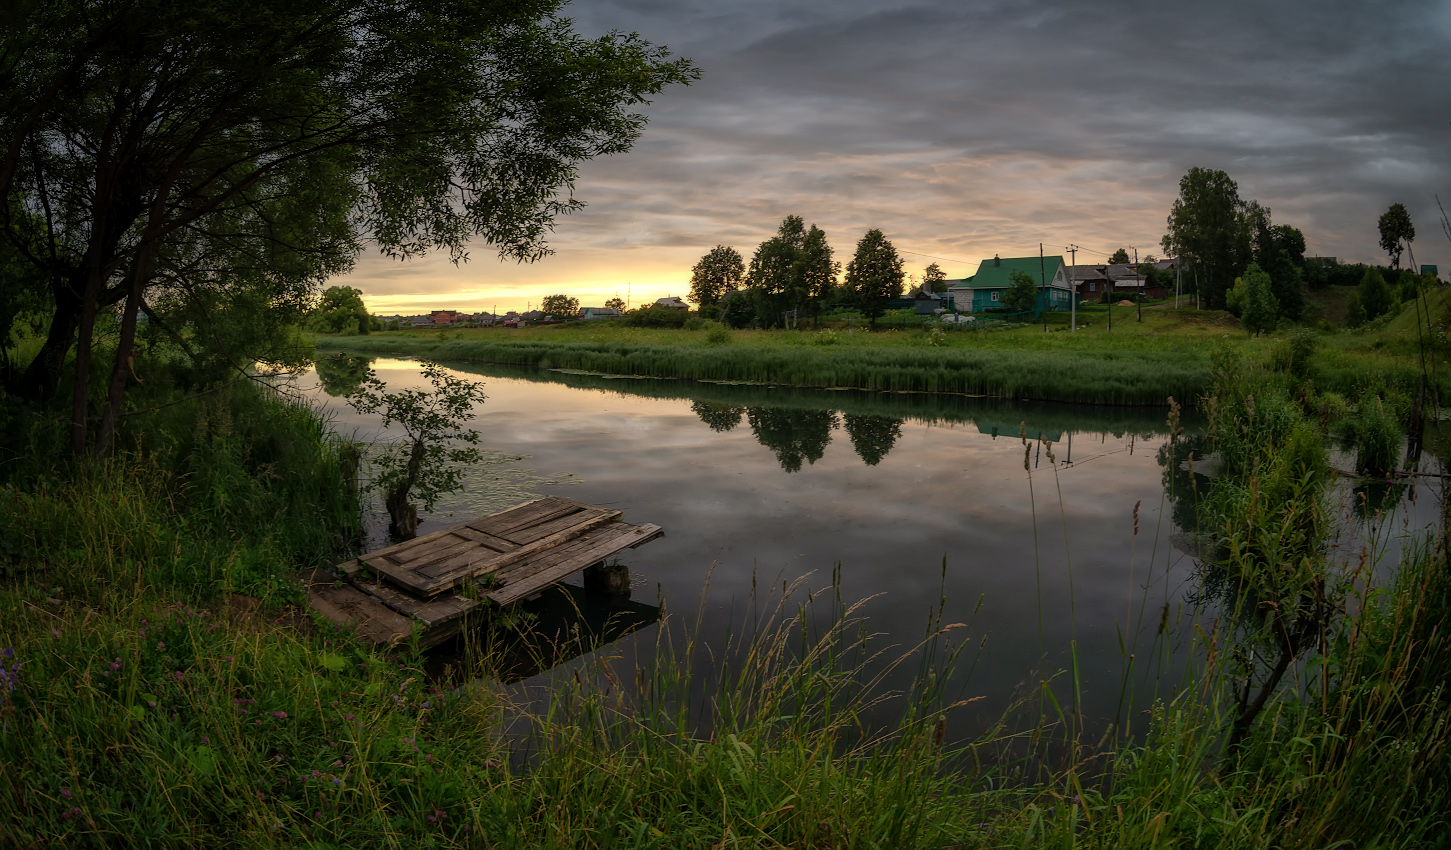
(444,317)
(673,302)
(1122,279)
(984,290)
(591,314)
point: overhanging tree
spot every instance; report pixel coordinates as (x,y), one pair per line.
(141,132)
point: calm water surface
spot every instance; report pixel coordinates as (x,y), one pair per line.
(757,485)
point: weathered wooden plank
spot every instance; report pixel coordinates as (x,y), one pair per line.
(524,536)
(535,513)
(444,547)
(498,544)
(558,564)
(431,613)
(349,607)
(430,585)
(479,562)
(406,545)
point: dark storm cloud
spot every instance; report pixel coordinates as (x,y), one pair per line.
(973,128)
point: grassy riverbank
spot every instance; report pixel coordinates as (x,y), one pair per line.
(1137,363)
(161,688)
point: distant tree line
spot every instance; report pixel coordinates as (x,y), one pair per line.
(1234,257)
(794,275)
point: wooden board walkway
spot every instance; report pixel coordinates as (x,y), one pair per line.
(427,586)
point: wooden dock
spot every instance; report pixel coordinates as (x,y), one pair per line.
(427,587)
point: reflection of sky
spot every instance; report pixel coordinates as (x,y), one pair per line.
(942,491)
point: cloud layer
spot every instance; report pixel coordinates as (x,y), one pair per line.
(965,129)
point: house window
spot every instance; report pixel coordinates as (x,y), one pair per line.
(1093,287)
(995,296)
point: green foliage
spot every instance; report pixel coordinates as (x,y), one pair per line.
(1376,435)
(559,306)
(617,303)
(934,279)
(341,374)
(738,309)
(720,271)
(250,145)
(1355,313)
(1119,256)
(1295,353)
(655,316)
(1234,298)
(232,491)
(1374,294)
(428,461)
(1396,231)
(717,334)
(1021,295)
(1259,309)
(1287,284)
(1204,225)
(341,311)
(792,270)
(873,275)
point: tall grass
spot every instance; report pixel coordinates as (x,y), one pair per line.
(1107,378)
(234,491)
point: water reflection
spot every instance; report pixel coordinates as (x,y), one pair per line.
(720,417)
(794,435)
(1063,573)
(872,436)
(564,623)
(341,374)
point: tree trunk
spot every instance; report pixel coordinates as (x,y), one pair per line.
(80,395)
(116,392)
(403,517)
(42,376)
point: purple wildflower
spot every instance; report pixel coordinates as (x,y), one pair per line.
(280,715)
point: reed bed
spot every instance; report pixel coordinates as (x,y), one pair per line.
(1116,378)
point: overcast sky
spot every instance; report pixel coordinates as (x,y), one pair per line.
(967,129)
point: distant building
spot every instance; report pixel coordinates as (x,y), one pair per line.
(673,302)
(443,317)
(984,290)
(1429,269)
(591,314)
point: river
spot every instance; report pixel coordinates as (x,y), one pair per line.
(922,502)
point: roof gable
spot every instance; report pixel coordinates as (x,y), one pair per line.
(997,273)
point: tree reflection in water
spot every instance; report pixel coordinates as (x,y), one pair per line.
(720,417)
(340,374)
(872,436)
(794,435)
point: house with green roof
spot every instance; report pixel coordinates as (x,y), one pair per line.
(984,290)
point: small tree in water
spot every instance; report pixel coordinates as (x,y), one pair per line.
(430,457)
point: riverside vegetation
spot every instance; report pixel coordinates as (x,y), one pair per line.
(161,688)
(1138,362)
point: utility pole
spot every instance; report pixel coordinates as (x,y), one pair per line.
(1139,277)
(1072,251)
(1043,291)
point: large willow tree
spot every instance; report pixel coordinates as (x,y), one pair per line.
(153,147)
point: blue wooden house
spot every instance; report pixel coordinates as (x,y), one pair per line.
(984,290)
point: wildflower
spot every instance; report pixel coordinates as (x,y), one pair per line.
(116,665)
(206,740)
(280,715)
(66,793)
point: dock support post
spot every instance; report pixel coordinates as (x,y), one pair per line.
(608,579)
